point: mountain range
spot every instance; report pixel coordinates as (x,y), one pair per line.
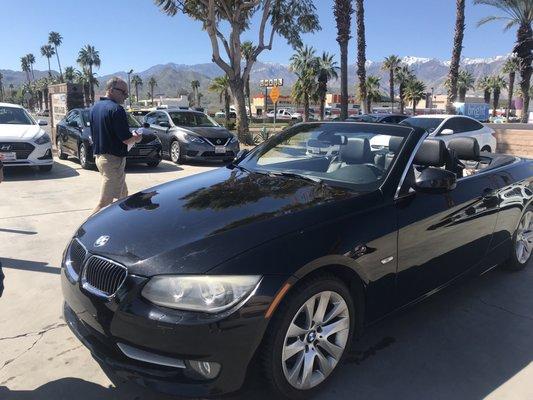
(173,79)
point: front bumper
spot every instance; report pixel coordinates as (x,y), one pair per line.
(30,154)
(204,151)
(229,340)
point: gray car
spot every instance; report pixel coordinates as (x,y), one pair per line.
(192,135)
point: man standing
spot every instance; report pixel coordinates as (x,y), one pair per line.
(111,136)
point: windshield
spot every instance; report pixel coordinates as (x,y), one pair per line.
(428,124)
(192,119)
(15,116)
(338,154)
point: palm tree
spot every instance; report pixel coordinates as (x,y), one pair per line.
(31,60)
(70,74)
(485,85)
(520,13)
(404,74)
(497,84)
(88,57)
(152,83)
(82,78)
(361,51)
(372,91)
(25,66)
(220,85)
(391,64)
(456,55)
(195,85)
(510,67)
(304,64)
(326,69)
(343,11)
(1,87)
(136,81)
(48,51)
(465,82)
(54,38)
(248,53)
(415,91)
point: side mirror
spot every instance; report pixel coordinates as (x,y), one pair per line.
(146,125)
(42,122)
(435,180)
(447,132)
(164,124)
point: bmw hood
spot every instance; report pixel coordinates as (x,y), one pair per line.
(11,132)
(193,224)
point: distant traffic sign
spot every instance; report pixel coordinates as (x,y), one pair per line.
(271,82)
(274,94)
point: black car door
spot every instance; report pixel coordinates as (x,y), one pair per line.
(74,126)
(162,132)
(443,235)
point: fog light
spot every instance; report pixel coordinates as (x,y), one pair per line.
(206,369)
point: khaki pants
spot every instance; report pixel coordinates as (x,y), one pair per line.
(114,179)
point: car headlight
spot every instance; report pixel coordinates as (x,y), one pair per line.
(193,138)
(44,138)
(210,294)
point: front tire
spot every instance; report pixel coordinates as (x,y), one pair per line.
(60,152)
(82,156)
(309,337)
(522,243)
(175,152)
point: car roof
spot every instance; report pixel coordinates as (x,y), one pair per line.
(444,116)
(10,105)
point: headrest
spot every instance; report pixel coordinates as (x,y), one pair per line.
(432,153)
(394,143)
(465,148)
(356,151)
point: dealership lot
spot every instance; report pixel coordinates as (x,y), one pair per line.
(473,341)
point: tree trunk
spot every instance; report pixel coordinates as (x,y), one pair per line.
(402,102)
(344,79)
(46,100)
(227,100)
(486,96)
(495,101)
(87,94)
(137,93)
(49,68)
(511,90)
(414,108)
(391,89)
(361,51)
(59,65)
(456,55)
(306,107)
(249,99)
(462,95)
(369,104)
(524,43)
(237,89)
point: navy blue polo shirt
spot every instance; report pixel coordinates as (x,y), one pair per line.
(109,128)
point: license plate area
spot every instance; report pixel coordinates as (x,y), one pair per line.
(220,149)
(9,156)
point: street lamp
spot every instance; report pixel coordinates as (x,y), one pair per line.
(129,87)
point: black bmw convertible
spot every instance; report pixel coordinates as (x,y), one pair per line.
(277,261)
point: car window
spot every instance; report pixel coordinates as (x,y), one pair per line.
(470,125)
(151,118)
(455,124)
(336,154)
(192,119)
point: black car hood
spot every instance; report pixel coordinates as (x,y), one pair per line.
(193,224)
(209,131)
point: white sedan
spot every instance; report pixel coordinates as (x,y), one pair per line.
(448,127)
(22,140)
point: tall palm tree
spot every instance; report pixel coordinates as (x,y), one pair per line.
(415,91)
(391,64)
(83,79)
(465,82)
(304,64)
(195,85)
(373,92)
(248,53)
(404,74)
(497,84)
(55,38)
(88,57)
(517,13)
(485,84)
(361,51)
(137,82)
(343,10)
(25,66)
(220,85)
(326,69)
(48,51)
(456,55)
(510,67)
(70,74)
(152,83)
(31,60)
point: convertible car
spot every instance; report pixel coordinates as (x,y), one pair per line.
(275,262)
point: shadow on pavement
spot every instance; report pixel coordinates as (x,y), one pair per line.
(26,265)
(59,171)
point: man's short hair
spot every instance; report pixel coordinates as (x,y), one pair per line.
(112,83)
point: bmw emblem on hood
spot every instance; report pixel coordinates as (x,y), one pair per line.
(101,241)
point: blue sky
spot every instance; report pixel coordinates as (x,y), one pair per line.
(135,34)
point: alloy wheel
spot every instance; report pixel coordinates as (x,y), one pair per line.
(175,151)
(83,155)
(524,238)
(315,340)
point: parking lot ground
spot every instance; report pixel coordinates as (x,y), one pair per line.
(471,341)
